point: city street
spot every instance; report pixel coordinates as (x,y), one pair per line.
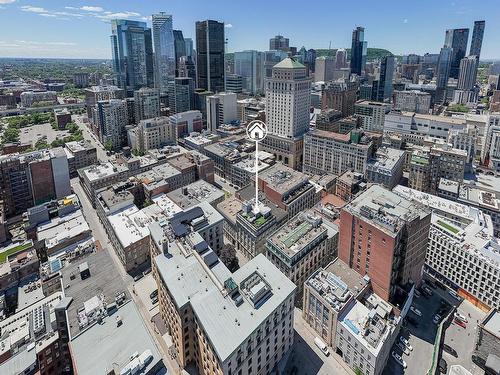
(89,136)
(306,356)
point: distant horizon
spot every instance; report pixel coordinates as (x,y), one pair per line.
(76,30)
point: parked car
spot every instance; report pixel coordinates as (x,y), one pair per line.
(450,350)
(405,342)
(461,317)
(459,323)
(436,319)
(398,359)
(154,301)
(455,295)
(403,348)
(412,321)
(321,345)
(138,277)
(417,293)
(416,311)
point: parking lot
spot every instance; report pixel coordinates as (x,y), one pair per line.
(422,335)
(33,133)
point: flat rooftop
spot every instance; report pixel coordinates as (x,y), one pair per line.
(78,146)
(130,225)
(63,228)
(386,159)
(229,208)
(104,347)
(104,279)
(192,194)
(100,171)
(283,179)
(344,138)
(492,324)
(248,164)
(385,210)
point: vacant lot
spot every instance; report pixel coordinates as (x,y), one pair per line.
(33,133)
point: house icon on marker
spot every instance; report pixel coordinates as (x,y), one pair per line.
(256,130)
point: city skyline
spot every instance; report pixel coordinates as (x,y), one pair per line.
(89,37)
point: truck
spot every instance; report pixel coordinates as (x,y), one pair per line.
(322,346)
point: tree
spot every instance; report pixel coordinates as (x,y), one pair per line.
(457,108)
(11,135)
(228,257)
(108,146)
(357,371)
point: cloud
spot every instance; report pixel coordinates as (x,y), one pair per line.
(89,8)
(32,9)
(115,15)
(228,25)
(7,1)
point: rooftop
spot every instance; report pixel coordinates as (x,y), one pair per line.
(192,194)
(385,160)
(289,63)
(115,347)
(283,179)
(62,229)
(492,323)
(130,225)
(229,208)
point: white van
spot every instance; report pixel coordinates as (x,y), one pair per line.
(321,345)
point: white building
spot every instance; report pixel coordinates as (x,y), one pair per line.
(372,115)
(28,98)
(153,133)
(324,68)
(187,122)
(386,167)
(221,109)
(412,101)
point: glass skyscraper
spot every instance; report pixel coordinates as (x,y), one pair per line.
(457,40)
(210,45)
(163,38)
(180,48)
(443,73)
(250,66)
(384,90)
(358,51)
(132,53)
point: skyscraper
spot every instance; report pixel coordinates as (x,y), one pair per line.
(132,53)
(443,73)
(477,38)
(189,47)
(210,45)
(147,104)
(457,40)
(384,90)
(325,66)
(468,69)
(181,94)
(287,112)
(250,66)
(340,59)
(179,47)
(358,51)
(163,40)
(279,43)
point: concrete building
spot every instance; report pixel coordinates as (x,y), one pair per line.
(195,193)
(234,83)
(81,79)
(467,72)
(153,133)
(487,347)
(372,115)
(147,104)
(243,171)
(325,66)
(301,246)
(187,122)
(180,94)
(280,43)
(96,94)
(412,101)
(349,184)
(80,155)
(287,112)
(462,251)
(221,109)
(62,117)
(30,98)
(327,152)
(33,178)
(386,167)
(380,222)
(110,118)
(328,120)
(340,95)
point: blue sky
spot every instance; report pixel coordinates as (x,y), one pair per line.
(80,29)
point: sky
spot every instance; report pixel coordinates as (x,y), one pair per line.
(81,29)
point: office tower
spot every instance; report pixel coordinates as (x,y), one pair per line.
(221,109)
(371,114)
(163,40)
(384,89)
(456,39)
(443,73)
(210,44)
(271,59)
(234,83)
(111,118)
(392,229)
(187,68)
(181,94)
(287,111)
(325,66)
(189,47)
(279,43)
(250,66)
(132,53)
(468,69)
(358,51)
(341,58)
(146,103)
(340,95)
(310,60)
(477,39)
(179,47)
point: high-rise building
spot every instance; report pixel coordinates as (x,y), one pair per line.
(341,59)
(181,94)
(477,39)
(187,68)
(325,66)
(154,133)
(210,44)
(392,229)
(279,43)
(340,95)
(287,111)
(443,73)
(132,53)
(147,104)
(250,66)
(221,109)
(358,51)
(111,118)
(81,79)
(372,115)
(96,93)
(189,47)
(163,40)
(179,47)
(456,39)
(271,59)
(234,83)
(467,76)
(412,101)
(384,90)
